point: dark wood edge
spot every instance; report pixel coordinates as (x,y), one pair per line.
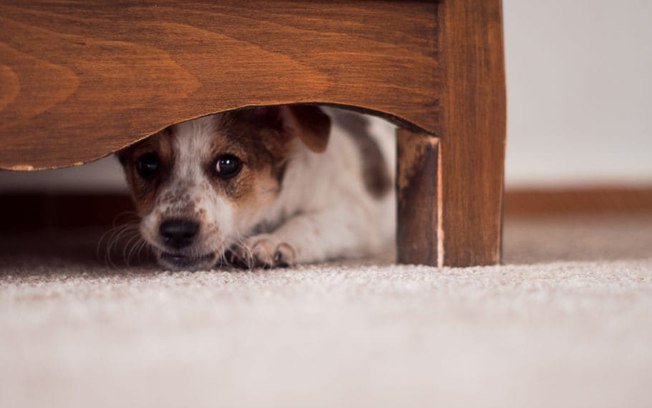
(419,238)
(32,211)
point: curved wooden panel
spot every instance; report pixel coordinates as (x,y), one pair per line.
(82,79)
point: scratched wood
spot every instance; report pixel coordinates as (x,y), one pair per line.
(79,80)
(418,236)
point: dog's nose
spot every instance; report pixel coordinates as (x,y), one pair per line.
(179,232)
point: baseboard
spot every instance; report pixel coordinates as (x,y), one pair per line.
(33,211)
(597,200)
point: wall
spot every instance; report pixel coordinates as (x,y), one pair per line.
(579,92)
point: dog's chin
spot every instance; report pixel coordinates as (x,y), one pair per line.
(177,261)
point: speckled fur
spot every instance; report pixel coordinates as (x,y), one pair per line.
(288,205)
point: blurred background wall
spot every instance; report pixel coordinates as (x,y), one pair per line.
(579,91)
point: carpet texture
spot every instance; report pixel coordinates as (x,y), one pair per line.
(567,322)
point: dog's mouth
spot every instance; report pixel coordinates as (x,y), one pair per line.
(179,261)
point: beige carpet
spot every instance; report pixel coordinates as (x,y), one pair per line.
(566,323)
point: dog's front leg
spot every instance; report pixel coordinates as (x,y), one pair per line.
(311,237)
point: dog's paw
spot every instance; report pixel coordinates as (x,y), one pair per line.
(263,251)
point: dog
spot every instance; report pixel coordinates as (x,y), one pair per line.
(264,187)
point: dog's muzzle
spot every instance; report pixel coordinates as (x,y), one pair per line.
(179,233)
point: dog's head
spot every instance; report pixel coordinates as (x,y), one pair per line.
(201,185)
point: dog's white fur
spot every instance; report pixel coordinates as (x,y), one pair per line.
(323,211)
(188,183)
(336,216)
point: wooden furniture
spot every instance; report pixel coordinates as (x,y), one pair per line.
(80,80)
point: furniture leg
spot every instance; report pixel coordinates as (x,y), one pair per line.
(456,194)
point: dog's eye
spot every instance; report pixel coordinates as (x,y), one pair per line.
(227,166)
(147,165)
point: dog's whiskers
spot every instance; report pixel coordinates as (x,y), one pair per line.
(112,238)
(126,251)
(140,245)
(125,217)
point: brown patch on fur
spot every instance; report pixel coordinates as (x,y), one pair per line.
(143,192)
(308,123)
(261,137)
(262,152)
(374,166)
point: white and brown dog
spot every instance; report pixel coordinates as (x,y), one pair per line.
(268,187)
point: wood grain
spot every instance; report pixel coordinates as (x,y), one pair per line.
(472,130)
(80,80)
(419,239)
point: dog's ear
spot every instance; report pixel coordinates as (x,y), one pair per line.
(309,123)
(306,122)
